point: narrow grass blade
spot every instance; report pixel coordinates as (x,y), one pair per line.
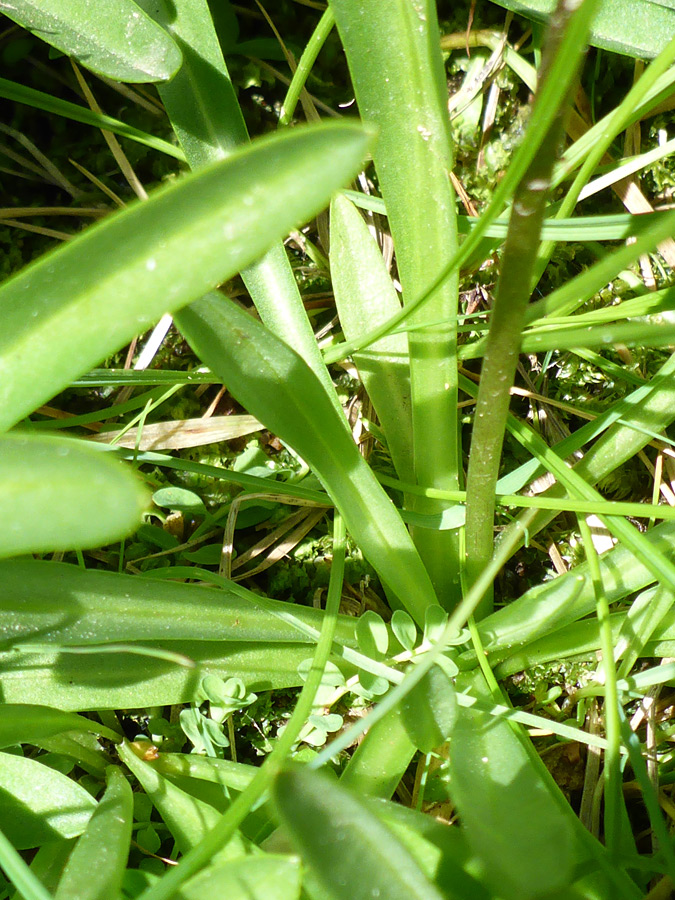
(98,500)
(75,306)
(103,848)
(20,93)
(274,384)
(19,873)
(351,852)
(113,38)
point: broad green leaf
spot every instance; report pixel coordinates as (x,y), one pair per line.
(97,864)
(60,494)
(75,306)
(122,680)
(21,723)
(351,852)
(111,37)
(187,818)
(511,819)
(441,850)
(276,386)
(639,28)
(38,804)
(429,710)
(60,604)
(365,297)
(256,878)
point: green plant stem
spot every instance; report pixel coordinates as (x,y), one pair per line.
(202,854)
(304,67)
(612,767)
(506,324)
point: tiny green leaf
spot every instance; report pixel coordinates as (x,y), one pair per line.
(371,633)
(404,629)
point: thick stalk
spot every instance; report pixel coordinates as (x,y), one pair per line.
(506,324)
(397,71)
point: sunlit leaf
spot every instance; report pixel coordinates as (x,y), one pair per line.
(111,37)
(351,852)
(39,804)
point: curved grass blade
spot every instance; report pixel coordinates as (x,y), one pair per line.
(276,386)
(75,306)
(351,852)
(103,848)
(59,494)
(20,93)
(113,38)
(23,723)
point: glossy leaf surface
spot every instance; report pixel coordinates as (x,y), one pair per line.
(111,37)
